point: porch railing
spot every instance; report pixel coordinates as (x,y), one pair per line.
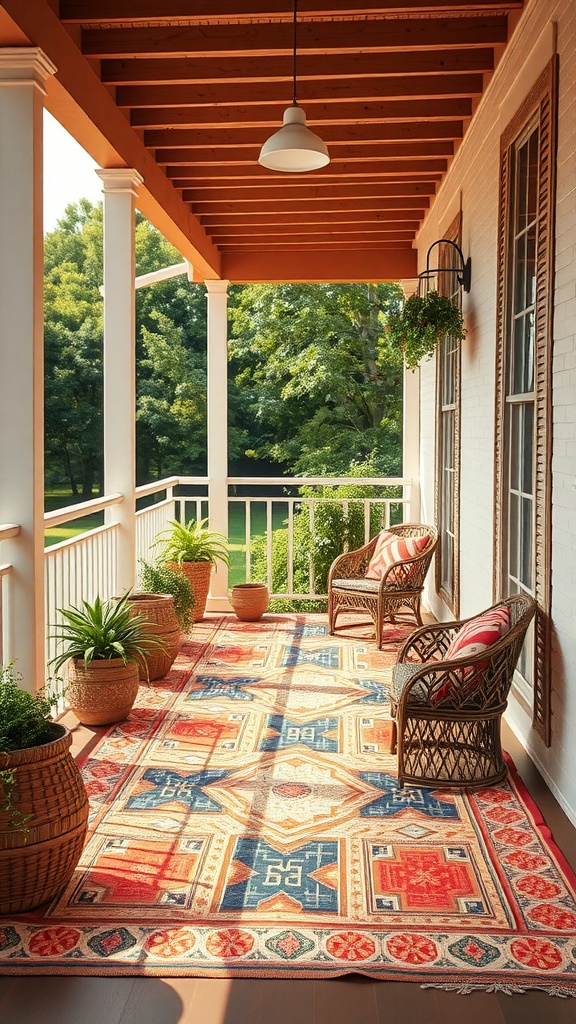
(84,565)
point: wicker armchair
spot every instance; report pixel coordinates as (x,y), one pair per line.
(446,714)
(398,591)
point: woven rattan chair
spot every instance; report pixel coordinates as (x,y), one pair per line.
(397,593)
(446,714)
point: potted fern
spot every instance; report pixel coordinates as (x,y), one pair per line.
(106,644)
(43,802)
(421,323)
(194,549)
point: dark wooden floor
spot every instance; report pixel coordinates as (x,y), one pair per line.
(80,1000)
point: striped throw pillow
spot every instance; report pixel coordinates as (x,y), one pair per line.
(479,633)
(391,548)
(474,637)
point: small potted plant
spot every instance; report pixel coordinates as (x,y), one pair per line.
(106,643)
(165,600)
(43,802)
(421,323)
(195,550)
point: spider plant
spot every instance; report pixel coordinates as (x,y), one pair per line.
(104,630)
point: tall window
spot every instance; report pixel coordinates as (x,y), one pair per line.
(523,431)
(448,438)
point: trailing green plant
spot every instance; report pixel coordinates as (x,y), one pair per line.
(161,579)
(105,630)
(192,542)
(422,322)
(24,722)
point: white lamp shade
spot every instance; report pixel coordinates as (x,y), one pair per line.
(294,147)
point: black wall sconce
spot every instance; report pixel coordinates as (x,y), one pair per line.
(463,272)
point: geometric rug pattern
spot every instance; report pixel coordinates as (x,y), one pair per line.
(246,821)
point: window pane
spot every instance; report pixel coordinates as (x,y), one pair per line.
(520,268)
(528,448)
(530,268)
(533,175)
(527,542)
(522,187)
(514,446)
(513,534)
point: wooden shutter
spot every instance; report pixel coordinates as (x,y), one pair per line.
(539,107)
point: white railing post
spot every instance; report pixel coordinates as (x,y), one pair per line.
(120,190)
(23,72)
(217,362)
(411,441)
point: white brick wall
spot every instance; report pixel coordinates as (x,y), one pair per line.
(473,181)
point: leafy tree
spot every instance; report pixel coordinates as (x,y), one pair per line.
(321,388)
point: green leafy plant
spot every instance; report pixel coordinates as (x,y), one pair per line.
(192,542)
(105,630)
(24,717)
(421,323)
(24,722)
(161,579)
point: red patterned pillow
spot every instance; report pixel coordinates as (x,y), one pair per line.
(391,548)
(475,636)
(479,633)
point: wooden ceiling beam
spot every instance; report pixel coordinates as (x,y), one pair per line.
(213,223)
(426,170)
(262,209)
(342,112)
(118,11)
(174,104)
(138,73)
(249,155)
(367,90)
(320,236)
(396,131)
(260,193)
(326,37)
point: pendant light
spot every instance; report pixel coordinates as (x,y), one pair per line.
(294,147)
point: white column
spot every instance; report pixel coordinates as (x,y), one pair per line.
(217,373)
(411,428)
(120,191)
(23,72)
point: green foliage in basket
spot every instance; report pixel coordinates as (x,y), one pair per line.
(422,322)
(24,717)
(192,542)
(104,630)
(161,579)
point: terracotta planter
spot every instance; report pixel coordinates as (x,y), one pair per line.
(159,610)
(36,862)
(198,574)
(250,601)
(102,692)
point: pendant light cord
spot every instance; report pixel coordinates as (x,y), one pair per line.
(294,103)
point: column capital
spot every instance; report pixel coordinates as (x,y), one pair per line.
(409,287)
(120,179)
(25,65)
(217,287)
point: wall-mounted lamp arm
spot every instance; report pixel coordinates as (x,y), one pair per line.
(463,272)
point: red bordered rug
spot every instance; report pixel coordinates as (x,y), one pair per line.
(246,821)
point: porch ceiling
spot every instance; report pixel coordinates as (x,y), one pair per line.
(186,91)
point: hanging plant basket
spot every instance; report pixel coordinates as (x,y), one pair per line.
(421,324)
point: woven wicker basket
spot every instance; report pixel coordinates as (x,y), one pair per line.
(198,574)
(103,691)
(38,860)
(159,610)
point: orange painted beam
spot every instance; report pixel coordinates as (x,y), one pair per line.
(277,267)
(84,106)
(135,74)
(373,35)
(300,211)
(230,155)
(429,170)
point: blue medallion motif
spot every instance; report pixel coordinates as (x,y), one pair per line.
(218,686)
(270,873)
(170,786)
(327,657)
(309,734)
(395,799)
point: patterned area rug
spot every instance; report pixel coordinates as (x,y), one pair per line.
(246,821)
